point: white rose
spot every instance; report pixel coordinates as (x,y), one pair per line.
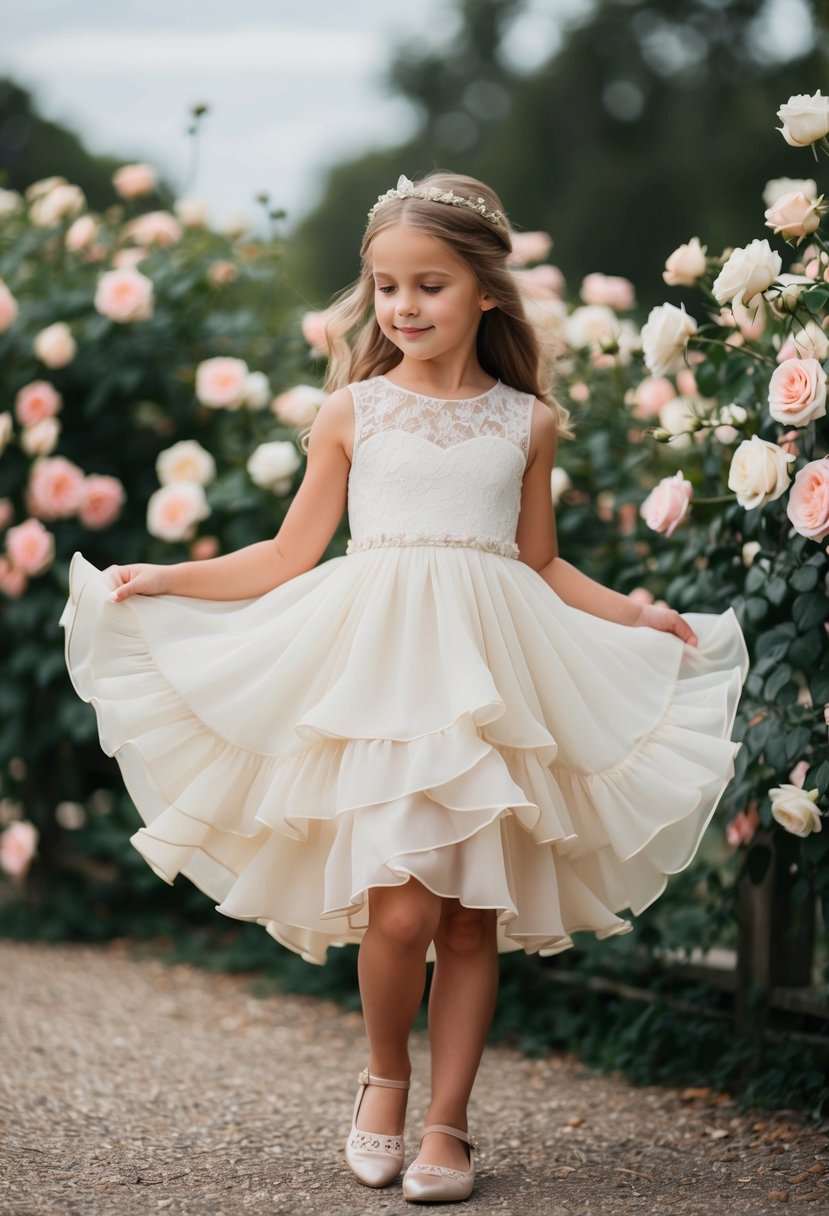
(759,472)
(186,460)
(778,186)
(41,438)
(747,272)
(298,406)
(273,464)
(191,211)
(60,203)
(6,430)
(257,390)
(664,337)
(560,483)
(10,202)
(593,325)
(55,345)
(794,809)
(686,265)
(795,215)
(785,295)
(175,509)
(805,119)
(678,418)
(811,342)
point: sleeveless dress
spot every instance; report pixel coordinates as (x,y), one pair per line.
(423,706)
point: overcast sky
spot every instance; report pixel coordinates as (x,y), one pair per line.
(291,87)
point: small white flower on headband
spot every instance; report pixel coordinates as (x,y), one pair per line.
(406,188)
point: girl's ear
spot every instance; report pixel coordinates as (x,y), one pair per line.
(486,303)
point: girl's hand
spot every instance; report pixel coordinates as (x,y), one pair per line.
(142,579)
(666,619)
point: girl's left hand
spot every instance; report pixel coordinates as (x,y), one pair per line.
(668,620)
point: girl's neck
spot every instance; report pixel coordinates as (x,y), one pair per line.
(448,383)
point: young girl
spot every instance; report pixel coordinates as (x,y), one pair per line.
(445,744)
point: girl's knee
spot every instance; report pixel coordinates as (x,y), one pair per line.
(465,930)
(407,915)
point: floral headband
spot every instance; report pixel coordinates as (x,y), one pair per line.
(407,189)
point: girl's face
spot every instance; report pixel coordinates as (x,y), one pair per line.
(426,299)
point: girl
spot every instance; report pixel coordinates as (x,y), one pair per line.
(445,744)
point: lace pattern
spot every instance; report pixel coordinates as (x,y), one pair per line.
(387,540)
(369,1142)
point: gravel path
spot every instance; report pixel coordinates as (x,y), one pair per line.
(132,1087)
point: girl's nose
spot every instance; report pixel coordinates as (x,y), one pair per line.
(406,307)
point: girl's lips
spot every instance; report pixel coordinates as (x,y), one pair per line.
(411,333)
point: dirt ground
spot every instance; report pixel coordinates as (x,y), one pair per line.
(133,1086)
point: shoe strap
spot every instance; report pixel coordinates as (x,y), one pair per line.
(451,1131)
(368,1078)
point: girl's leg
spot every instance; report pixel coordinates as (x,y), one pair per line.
(461,1005)
(392,973)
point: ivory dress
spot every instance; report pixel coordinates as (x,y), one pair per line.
(425,705)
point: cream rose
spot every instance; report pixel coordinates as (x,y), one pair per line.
(56,205)
(759,472)
(797,392)
(154,228)
(664,338)
(81,234)
(101,502)
(679,419)
(124,295)
(593,326)
(35,401)
(55,345)
(175,509)
(18,845)
(805,119)
(795,215)
(668,504)
(55,488)
(794,809)
(192,212)
(560,483)
(529,247)
(610,290)
(272,466)
(298,406)
(686,265)
(808,505)
(257,391)
(8,308)
(134,181)
(6,430)
(30,547)
(11,201)
(41,438)
(186,460)
(748,272)
(42,186)
(221,383)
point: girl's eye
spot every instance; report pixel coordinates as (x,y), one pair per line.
(431,290)
(386,290)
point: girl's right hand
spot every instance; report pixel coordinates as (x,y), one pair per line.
(141,579)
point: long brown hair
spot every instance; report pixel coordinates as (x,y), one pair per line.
(508,344)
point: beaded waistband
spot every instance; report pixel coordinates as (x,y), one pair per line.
(445,540)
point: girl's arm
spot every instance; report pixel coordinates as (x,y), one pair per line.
(306,531)
(537,541)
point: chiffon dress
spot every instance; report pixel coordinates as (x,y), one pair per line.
(424,705)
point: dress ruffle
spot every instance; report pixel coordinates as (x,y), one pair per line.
(430,712)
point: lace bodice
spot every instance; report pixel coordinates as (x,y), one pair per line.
(435,472)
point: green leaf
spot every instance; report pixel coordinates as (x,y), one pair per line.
(810,609)
(776,590)
(755,609)
(818,778)
(776,681)
(805,578)
(805,651)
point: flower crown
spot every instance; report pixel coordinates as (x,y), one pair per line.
(407,189)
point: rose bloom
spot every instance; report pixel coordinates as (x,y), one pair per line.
(124,258)
(41,438)
(56,205)
(154,228)
(191,211)
(748,272)
(186,460)
(81,234)
(42,186)
(55,345)
(686,383)
(808,505)
(759,472)
(529,247)
(102,500)
(649,395)
(798,774)
(70,815)
(810,342)
(592,326)
(805,119)
(8,308)
(686,265)
(794,215)
(175,509)
(55,488)
(257,391)
(788,441)
(609,289)
(579,392)
(668,504)
(795,809)
(222,273)
(678,418)
(13,582)
(272,466)
(778,186)
(6,430)
(18,845)
(313,331)
(540,282)
(730,417)
(797,392)
(35,401)
(743,826)
(30,547)
(664,337)
(560,483)
(787,298)
(6,513)
(299,405)
(124,295)
(221,383)
(134,181)
(11,201)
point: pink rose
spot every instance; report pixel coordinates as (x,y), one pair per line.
(650,395)
(529,247)
(17,847)
(743,826)
(797,392)
(789,443)
(55,488)
(608,289)
(124,295)
(13,582)
(221,383)
(31,548)
(36,401)
(55,345)
(134,181)
(798,774)
(154,228)
(101,501)
(686,383)
(175,509)
(794,215)
(299,405)
(808,505)
(668,504)
(8,308)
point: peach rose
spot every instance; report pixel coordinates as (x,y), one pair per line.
(795,215)
(797,392)
(30,547)
(124,295)
(13,582)
(101,501)
(795,809)
(6,430)
(222,273)
(35,401)
(608,289)
(18,845)
(154,228)
(56,205)
(8,308)
(81,234)
(221,383)
(186,460)
(55,345)
(686,265)
(529,247)
(299,405)
(668,504)
(649,395)
(134,181)
(55,488)
(759,472)
(174,510)
(665,335)
(808,505)
(805,119)
(41,438)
